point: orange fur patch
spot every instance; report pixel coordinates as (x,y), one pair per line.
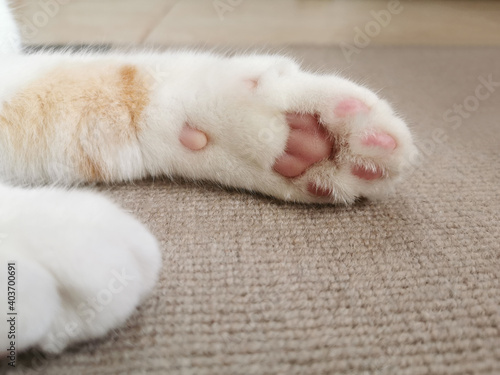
(84,112)
(134,94)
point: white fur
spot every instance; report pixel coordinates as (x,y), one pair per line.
(10,41)
(73,243)
(82,264)
(246,126)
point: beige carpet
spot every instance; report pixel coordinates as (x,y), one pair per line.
(410,285)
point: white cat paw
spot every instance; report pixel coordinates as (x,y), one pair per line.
(306,137)
(349,147)
(83,265)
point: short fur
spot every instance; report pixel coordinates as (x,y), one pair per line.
(69,119)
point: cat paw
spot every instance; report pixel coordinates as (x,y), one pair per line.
(349,150)
(83,265)
(299,136)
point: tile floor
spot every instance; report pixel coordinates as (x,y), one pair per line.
(260,22)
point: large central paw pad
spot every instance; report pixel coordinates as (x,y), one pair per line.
(308,143)
(352,141)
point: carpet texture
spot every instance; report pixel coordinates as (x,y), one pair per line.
(410,285)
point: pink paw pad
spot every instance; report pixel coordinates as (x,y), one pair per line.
(307,143)
(382,140)
(349,107)
(366,174)
(192,138)
(318,191)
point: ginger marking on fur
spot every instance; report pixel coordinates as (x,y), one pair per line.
(134,94)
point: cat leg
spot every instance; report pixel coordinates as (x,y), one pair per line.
(254,122)
(274,128)
(82,265)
